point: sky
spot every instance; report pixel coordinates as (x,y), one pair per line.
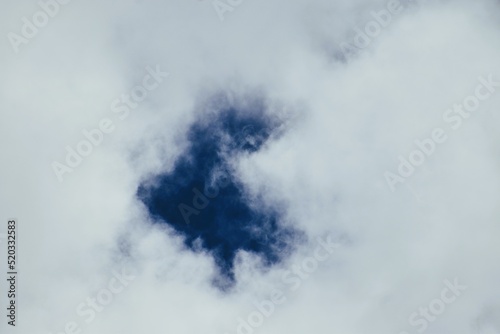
(247,166)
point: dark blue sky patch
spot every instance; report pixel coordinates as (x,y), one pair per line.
(202,199)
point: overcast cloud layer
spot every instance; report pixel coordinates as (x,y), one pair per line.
(416,249)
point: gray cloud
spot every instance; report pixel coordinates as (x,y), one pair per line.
(353,117)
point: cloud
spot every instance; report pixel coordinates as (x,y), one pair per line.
(343,122)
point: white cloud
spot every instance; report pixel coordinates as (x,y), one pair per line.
(352,121)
